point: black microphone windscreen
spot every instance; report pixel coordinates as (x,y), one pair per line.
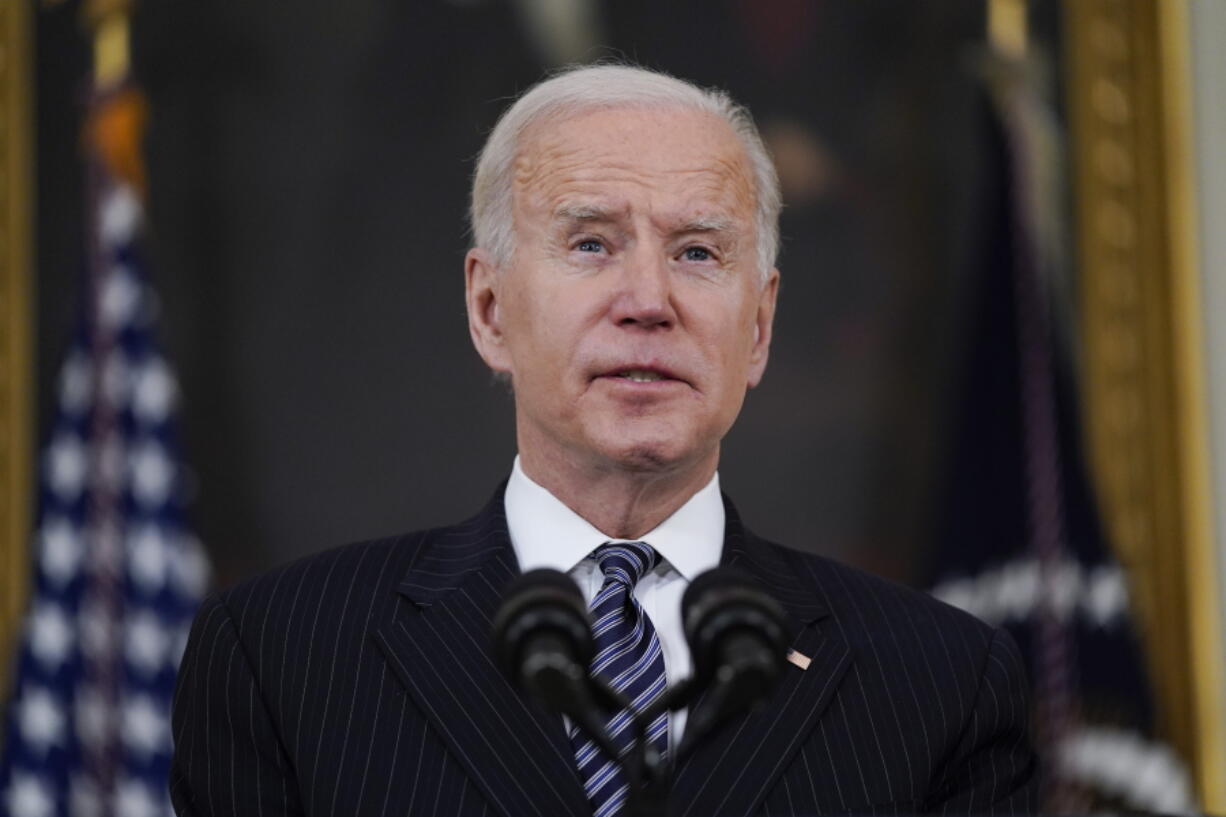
(542,601)
(720,602)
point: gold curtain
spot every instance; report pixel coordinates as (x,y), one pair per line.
(1143,368)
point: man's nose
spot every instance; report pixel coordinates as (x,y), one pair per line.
(645,297)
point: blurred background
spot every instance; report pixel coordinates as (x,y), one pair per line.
(235,334)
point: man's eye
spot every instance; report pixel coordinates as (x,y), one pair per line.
(590,245)
(697,254)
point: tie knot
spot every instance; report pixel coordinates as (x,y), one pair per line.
(626,562)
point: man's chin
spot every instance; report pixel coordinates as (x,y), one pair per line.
(649,455)
(645,460)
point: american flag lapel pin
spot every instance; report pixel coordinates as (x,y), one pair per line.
(799,659)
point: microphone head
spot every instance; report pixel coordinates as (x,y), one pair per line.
(722,606)
(543,602)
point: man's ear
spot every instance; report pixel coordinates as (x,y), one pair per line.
(764,320)
(481,292)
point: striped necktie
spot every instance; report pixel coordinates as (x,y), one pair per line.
(628,658)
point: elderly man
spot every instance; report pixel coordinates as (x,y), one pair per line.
(623,280)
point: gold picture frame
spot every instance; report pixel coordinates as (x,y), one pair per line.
(1128,82)
(16,322)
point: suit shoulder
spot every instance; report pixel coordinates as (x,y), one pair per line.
(325,578)
(906,642)
(870,604)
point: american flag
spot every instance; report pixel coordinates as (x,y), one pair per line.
(116,575)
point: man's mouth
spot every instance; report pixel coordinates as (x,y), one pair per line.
(639,372)
(642,376)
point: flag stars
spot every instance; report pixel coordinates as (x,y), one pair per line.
(154,391)
(152,473)
(1106,595)
(144,727)
(66,466)
(40,718)
(147,558)
(51,635)
(1015,590)
(110,610)
(119,214)
(189,569)
(120,299)
(62,550)
(29,795)
(147,643)
(117,576)
(136,799)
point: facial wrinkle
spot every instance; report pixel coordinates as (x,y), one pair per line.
(553,165)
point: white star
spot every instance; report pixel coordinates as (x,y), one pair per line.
(144,727)
(66,466)
(93,717)
(29,795)
(51,635)
(1015,590)
(152,473)
(62,549)
(41,718)
(120,213)
(1063,588)
(1106,598)
(134,799)
(120,297)
(189,569)
(76,383)
(147,642)
(147,551)
(154,391)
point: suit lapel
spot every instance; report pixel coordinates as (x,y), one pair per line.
(734,771)
(517,753)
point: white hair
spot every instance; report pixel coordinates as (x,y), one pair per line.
(597,87)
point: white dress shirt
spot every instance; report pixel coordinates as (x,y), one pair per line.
(546,533)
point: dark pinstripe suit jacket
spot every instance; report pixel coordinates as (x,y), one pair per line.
(359,681)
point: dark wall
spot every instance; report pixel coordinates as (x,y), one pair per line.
(309,166)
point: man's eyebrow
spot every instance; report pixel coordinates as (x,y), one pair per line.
(579,212)
(584,212)
(706,224)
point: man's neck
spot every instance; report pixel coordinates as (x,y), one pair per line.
(620,503)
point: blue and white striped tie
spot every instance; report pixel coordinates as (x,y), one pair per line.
(628,657)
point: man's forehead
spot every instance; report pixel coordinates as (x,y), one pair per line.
(586,153)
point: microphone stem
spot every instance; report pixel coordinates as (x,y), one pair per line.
(647,772)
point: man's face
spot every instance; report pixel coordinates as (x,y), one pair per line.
(633,316)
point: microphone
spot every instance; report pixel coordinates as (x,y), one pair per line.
(738,643)
(543,642)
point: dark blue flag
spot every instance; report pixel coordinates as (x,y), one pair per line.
(1022,544)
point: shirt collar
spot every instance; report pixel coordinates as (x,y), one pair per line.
(546,533)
